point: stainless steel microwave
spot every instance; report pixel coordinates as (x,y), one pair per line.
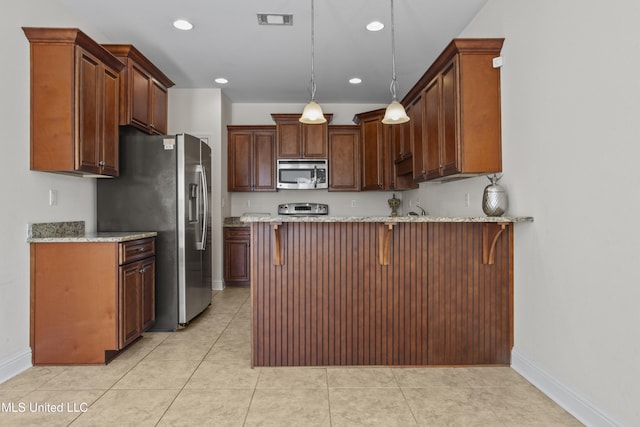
(302,174)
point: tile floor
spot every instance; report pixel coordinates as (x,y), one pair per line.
(201,376)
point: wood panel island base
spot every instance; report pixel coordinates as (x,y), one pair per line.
(400,291)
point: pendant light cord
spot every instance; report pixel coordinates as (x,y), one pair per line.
(313,75)
(394,81)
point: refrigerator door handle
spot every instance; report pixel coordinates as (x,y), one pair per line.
(201,245)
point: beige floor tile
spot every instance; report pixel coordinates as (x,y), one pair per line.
(223,375)
(93,377)
(49,408)
(289,407)
(493,377)
(180,350)
(158,374)
(449,406)
(32,378)
(431,377)
(524,406)
(127,408)
(218,408)
(290,377)
(369,407)
(360,377)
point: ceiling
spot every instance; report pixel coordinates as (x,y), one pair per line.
(273,63)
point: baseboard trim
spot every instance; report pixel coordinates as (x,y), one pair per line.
(585,411)
(217,285)
(14,365)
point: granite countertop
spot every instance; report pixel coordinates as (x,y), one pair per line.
(233,221)
(323,218)
(74,231)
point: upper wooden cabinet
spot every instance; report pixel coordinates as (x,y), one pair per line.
(251,158)
(461,124)
(296,140)
(378,170)
(344,158)
(143,91)
(74,103)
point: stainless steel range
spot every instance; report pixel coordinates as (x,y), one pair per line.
(303,209)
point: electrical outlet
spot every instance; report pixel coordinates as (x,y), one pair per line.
(467,200)
(248,203)
(353,203)
(53,197)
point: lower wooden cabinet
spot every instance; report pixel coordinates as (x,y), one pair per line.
(237,260)
(89,300)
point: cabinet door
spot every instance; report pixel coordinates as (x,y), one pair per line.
(264,173)
(371,150)
(140,96)
(240,165)
(431,147)
(129,320)
(289,136)
(237,270)
(159,101)
(109,136)
(449,147)
(344,171)
(88,112)
(314,139)
(148,291)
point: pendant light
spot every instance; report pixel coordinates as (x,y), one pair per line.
(395,113)
(312,113)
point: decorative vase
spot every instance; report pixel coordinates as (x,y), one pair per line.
(394,204)
(494,198)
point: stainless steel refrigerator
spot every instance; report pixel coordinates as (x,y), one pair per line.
(165,186)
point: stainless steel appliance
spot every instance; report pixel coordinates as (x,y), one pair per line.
(299,174)
(303,209)
(165,186)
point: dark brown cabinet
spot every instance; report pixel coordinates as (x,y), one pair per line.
(460,97)
(378,169)
(89,300)
(74,103)
(237,258)
(344,158)
(251,158)
(296,140)
(143,91)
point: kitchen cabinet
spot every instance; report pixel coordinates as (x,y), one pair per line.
(237,258)
(378,170)
(297,140)
(461,100)
(74,103)
(344,156)
(251,158)
(143,91)
(90,299)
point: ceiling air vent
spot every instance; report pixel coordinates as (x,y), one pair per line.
(275,19)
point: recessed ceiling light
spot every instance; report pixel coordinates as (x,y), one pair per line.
(182,24)
(355,81)
(375,26)
(221,80)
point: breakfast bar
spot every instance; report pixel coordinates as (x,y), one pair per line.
(400,291)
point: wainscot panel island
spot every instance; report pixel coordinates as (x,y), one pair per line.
(398,291)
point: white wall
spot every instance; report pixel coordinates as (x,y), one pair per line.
(25,193)
(340,203)
(199,112)
(571,143)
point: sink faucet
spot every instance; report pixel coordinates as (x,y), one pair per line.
(422,211)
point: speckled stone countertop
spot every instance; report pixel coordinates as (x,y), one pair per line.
(233,221)
(74,231)
(409,218)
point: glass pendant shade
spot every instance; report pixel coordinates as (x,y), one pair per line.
(395,114)
(312,114)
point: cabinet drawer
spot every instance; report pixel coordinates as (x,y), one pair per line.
(136,249)
(242,233)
